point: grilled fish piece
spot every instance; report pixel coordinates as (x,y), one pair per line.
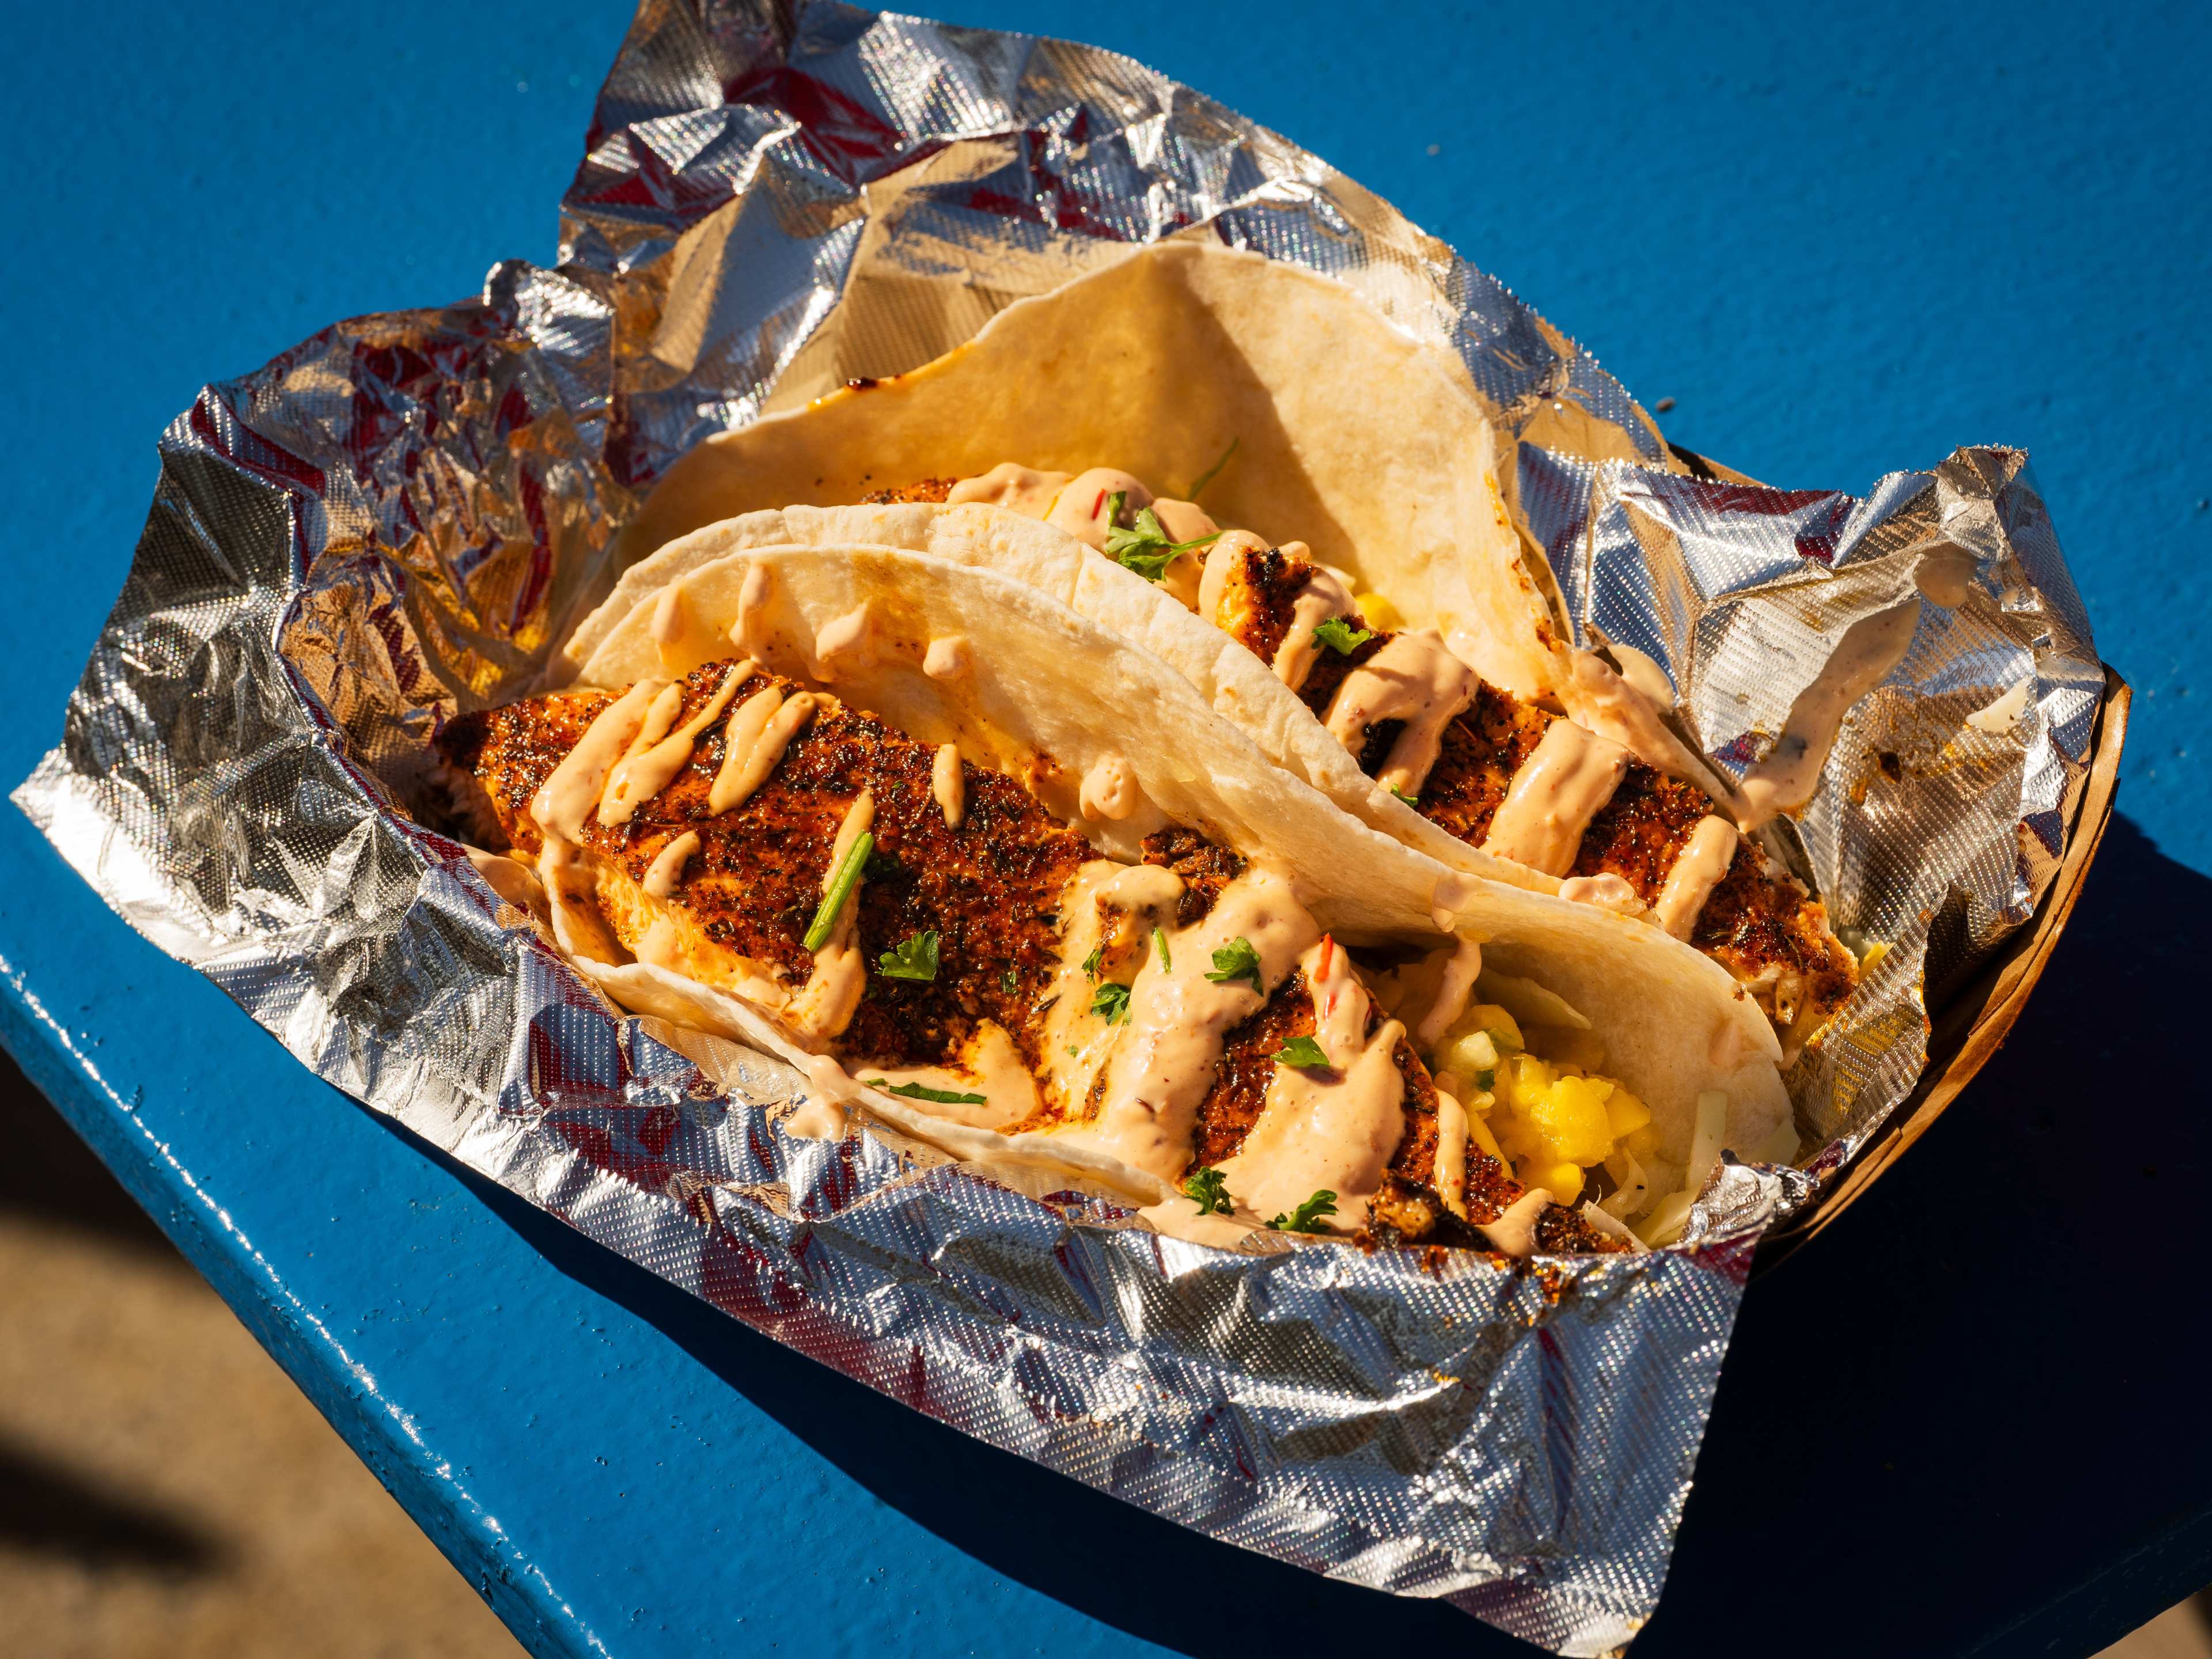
(1654,835)
(994,966)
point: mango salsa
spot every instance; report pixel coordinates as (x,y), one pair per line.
(1550,1119)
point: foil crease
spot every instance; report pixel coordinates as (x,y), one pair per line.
(396,520)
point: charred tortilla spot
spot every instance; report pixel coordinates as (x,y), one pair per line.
(922,491)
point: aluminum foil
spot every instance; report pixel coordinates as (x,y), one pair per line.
(395,520)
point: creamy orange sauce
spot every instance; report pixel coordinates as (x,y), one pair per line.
(1010,485)
(1163,1065)
(990,1066)
(666,871)
(2002,715)
(754,741)
(1553,796)
(1142,895)
(1323,596)
(753,594)
(1184,522)
(639,777)
(1514,1233)
(1412,679)
(1331,1130)
(1110,789)
(511,880)
(1697,869)
(1429,993)
(948,658)
(825,1006)
(945,785)
(568,796)
(1084,505)
(823,1116)
(1788,773)
(1605,891)
(671,623)
(846,642)
(1617,707)
(1450,1177)
(1946,574)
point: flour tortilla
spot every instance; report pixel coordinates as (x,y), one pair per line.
(1053,691)
(1368,446)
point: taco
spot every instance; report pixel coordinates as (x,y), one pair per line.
(1416,670)
(985,871)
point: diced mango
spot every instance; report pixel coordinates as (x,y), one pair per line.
(1625,1113)
(1545,1117)
(1504,1030)
(1379,612)
(1469,1055)
(1571,1117)
(1564,1181)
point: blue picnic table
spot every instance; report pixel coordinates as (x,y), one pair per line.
(1967,1419)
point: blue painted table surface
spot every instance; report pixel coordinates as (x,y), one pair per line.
(1967,1419)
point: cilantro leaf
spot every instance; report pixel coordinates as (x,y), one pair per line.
(917,1092)
(1237,960)
(1111,1000)
(1307,1218)
(1160,944)
(1342,636)
(916,958)
(1145,548)
(1208,1188)
(1305,1054)
(1091,962)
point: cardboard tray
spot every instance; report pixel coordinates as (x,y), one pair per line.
(1973,1021)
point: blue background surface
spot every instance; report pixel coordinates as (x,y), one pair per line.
(1845,240)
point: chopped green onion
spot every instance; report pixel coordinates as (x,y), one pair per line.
(916,1092)
(1213,471)
(841,884)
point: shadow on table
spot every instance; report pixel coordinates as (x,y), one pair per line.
(50,1507)
(1976,1389)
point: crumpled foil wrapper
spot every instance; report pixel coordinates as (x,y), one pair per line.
(395,521)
